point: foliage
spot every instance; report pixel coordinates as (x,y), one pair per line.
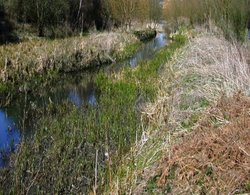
(48,17)
(126,11)
(230,15)
(79,15)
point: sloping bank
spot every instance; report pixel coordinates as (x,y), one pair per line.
(29,64)
(79,150)
(196,134)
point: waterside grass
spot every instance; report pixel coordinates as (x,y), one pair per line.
(35,61)
(206,69)
(79,150)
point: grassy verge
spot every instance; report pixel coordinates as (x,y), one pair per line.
(165,162)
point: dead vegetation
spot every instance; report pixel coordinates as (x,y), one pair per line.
(190,85)
(23,61)
(199,74)
(206,68)
(215,157)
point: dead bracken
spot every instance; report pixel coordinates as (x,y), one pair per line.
(215,157)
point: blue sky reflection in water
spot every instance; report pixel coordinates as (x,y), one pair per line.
(11,118)
(9,137)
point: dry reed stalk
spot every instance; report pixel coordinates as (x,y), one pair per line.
(206,68)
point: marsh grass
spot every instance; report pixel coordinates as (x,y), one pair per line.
(74,151)
(206,69)
(35,61)
(136,165)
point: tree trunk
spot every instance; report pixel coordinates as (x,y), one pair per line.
(40,30)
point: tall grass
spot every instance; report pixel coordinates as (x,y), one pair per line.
(198,74)
(230,15)
(32,63)
(207,68)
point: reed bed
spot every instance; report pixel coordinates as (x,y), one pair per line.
(27,61)
(208,67)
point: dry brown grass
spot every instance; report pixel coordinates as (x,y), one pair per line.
(196,77)
(206,68)
(24,60)
(199,74)
(213,158)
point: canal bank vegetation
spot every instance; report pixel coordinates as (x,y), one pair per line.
(197,135)
(78,150)
(27,65)
(175,124)
(210,104)
(49,41)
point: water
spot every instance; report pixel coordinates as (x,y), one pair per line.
(9,137)
(19,118)
(148,50)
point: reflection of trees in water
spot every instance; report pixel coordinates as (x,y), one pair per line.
(83,95)
(26,110)
(148,49)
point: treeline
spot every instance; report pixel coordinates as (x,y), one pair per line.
(78,15)
(230,15)
(126,11)
(51,14)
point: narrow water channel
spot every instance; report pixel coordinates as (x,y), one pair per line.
(18,119)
